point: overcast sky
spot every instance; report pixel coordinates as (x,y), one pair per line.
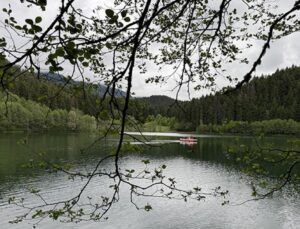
(283,53)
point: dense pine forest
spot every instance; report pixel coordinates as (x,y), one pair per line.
(268,97)
(273,97)
(264,98)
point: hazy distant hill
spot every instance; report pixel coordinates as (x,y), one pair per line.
(59,79)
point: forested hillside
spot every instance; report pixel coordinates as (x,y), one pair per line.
(46,103)
(57,91)
(20,114)
(275,96)
(56,95)
(269,97)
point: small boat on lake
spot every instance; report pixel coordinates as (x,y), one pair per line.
(188,139)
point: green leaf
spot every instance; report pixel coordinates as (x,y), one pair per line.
(85,64)
(31,31)
(146,161)
(148,207)
(87,55)
(108,45)
(34,190)
(124,13)
(18,27)
(60,51)
(37,28)
(29,21)
(111,21)
(38,19)
(110,13)
(127,19)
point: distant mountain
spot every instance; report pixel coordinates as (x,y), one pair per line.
(60,79)
(102,88)
(53,77)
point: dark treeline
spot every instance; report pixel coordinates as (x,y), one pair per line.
(265,98)
(49,102)
(19,114)
(58,92)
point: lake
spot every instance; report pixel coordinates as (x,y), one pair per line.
(203,164)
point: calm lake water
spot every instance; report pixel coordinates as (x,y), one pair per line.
(203,165)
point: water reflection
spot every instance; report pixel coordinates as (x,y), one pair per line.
(203,164)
